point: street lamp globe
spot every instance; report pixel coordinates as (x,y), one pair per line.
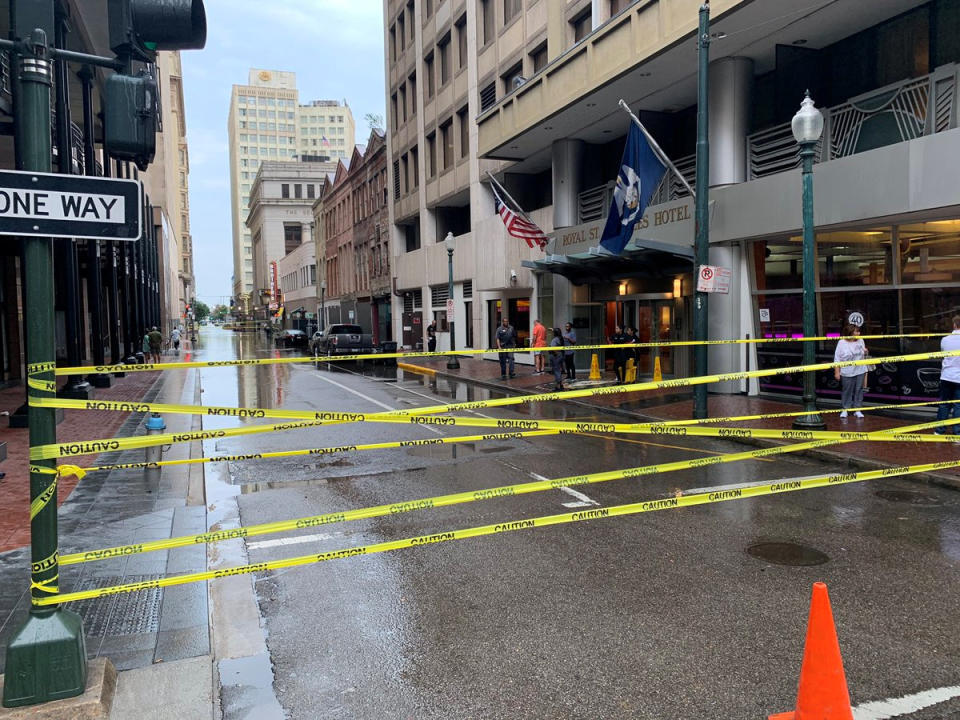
(449,242)
(807,124)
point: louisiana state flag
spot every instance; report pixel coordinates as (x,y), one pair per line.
(640,173)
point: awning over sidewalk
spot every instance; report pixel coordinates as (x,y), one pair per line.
(640,259)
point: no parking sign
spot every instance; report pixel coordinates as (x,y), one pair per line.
(713,279)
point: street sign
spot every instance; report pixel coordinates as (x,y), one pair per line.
(449,309)
(713,279)
(69,206)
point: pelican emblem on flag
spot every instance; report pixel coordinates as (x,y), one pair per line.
(627,194)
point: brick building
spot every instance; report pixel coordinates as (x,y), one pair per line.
(353,242)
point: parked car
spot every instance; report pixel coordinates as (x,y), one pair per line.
(290,338)
(342,340)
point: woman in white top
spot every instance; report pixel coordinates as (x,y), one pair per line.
(853,379)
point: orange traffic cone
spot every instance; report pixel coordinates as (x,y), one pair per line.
(822,694)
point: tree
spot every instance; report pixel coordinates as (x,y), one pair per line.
(200,310)
(374,121)
(219,313)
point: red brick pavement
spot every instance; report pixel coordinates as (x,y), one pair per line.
(667,405)
(76,425)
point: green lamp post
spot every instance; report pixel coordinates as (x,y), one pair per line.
(807,126)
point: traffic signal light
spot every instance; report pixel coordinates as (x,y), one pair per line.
(130,114)
(138,28)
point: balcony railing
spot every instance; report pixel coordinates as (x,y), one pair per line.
(594,202)
(895,113)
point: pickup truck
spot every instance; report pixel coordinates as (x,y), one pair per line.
(342,340)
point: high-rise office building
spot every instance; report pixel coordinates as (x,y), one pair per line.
(266,122)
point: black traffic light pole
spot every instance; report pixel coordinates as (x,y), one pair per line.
(94,271)
(66,248)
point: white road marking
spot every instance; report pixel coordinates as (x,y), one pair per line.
(897,707)
(299,540)
(369,399)
(582,500)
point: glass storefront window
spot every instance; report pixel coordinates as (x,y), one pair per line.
(930,252)
(854,257)
(778,264)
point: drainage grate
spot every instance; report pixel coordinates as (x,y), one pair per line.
(784,553)
(122,614)
(911,497)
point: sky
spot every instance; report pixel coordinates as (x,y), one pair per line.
(336,49)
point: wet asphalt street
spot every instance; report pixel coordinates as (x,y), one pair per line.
(661,615)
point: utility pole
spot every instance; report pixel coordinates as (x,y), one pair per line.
(47,658)
(702,242)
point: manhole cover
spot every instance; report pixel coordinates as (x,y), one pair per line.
(784,553)
(911,497)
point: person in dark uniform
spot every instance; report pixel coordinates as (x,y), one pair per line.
(620,354)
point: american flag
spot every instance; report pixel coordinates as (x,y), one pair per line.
(518,226)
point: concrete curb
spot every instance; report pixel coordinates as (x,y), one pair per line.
(939,479)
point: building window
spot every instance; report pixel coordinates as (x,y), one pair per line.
(539,58)
(401,32)
(446,141)
(432,155)
(292,237)
(511,8)
(284,191)
(427,8)
(311,192)
(617,5)
(487,16)
(396,179)
(394,111)
(298,191)
(404,173)
(412,83)
(462,43)
(582,26)
(402,101)
(512,79)
(415,165)
(393,43)
(463,121)
(428,71)
(443,49)
(488,96)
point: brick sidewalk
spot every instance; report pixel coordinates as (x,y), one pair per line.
(671,405)
(76,425)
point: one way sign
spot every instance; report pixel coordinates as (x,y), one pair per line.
(69,206)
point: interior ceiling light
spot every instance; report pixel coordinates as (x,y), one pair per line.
(719,35)
(801,41)
(645,74)
(548,127)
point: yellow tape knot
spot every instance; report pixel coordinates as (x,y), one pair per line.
(67,470)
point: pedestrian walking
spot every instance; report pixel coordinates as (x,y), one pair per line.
(145,346)
(156,342)
(539,341)
(556,359)
(175,340)
(619,354)
(950,380)
(432,337)
(506,338)
(853,378)
(569,339)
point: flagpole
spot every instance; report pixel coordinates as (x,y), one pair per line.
(504,191)
(656,148)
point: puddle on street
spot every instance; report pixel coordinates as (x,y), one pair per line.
(787,553)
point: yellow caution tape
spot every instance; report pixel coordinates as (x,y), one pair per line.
(48,586)
(671,503)
(45,385)
(319,417)
(34,368)
(147,367)
(330,450)
(451,499)
(41,500)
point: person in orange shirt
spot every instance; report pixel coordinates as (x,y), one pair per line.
(539,341)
